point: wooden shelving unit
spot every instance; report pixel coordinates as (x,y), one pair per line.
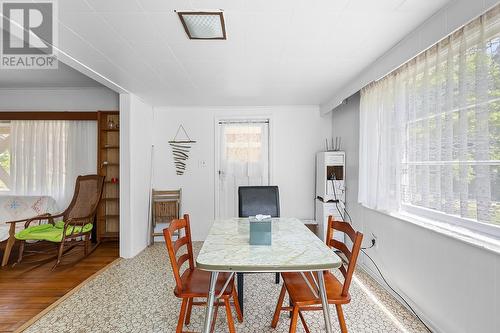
(108,165)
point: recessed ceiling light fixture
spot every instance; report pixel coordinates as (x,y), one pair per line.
(203,25)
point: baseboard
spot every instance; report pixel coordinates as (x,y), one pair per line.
(63,298)
(374,275)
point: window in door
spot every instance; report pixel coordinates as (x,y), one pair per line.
(243,160)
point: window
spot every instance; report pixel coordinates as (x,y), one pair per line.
(44,157)
(430,131)
(243,143)
(4,156)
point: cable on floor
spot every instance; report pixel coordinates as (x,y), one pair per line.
(383,278)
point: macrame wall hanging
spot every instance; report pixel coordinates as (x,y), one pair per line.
(180,150)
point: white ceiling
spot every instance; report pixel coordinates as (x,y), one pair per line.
(277,51)
(62,77)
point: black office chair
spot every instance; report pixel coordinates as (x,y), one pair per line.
(253,200)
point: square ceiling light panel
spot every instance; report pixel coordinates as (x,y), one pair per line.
(203,25)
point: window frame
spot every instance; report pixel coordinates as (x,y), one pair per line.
(443,219)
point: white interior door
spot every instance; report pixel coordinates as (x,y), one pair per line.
(243,160)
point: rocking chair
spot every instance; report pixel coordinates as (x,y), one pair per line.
(76,222)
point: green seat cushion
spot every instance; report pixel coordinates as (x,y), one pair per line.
(49,232)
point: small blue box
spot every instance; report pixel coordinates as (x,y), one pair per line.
(260,231)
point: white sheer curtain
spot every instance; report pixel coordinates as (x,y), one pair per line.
(430,131)
(47,156)
(244,160)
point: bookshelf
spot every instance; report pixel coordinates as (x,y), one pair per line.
(108,165)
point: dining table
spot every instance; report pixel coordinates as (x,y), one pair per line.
(294,248)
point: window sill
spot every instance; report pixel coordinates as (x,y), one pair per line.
(474,238)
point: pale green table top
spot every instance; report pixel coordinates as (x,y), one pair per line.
(294,248)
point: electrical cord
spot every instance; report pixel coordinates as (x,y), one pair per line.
(346,213)
(342,216)
(338,210)
(369,247)
(394,291)
(383,278)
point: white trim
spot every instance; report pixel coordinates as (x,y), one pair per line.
(250,118)
(216,166)
(438,217)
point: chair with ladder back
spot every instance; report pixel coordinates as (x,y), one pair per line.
(193,282)
(304,294)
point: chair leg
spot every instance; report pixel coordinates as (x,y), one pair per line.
(188,313)
(239,278)
(340,315)
(180,322)
(276,316)
(10,244)
(21,251)
(86,244)
(295,317)
(59,254)
(214,321)
(239,315)
(229,315)
(303,320)
(277,279)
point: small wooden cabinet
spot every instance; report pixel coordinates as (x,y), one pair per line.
(108,165)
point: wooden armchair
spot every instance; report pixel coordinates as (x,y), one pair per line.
(76,222)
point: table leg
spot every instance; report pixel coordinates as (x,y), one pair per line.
(324,302)
(10,244)
(239,283)
(210,302)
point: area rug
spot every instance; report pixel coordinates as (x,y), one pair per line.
(136,295)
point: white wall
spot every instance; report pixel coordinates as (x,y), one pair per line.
(454,285)
(136,121)
(58,99)
(445,21)
(298,132)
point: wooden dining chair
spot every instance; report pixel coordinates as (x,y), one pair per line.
(301,292)
(192,282)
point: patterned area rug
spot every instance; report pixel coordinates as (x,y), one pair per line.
(136,295)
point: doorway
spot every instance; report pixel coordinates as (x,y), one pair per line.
(242,160)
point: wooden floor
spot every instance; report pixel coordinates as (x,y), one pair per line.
(27,289)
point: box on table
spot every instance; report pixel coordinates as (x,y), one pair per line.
(260,231)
